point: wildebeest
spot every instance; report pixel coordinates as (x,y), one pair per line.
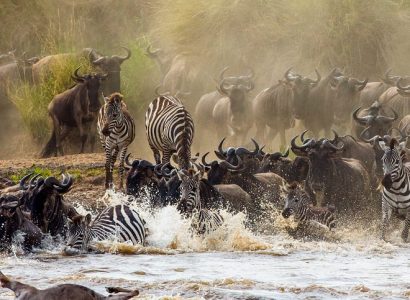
(232,114)
(373,90)
(333,180)
(346,98)
(13,221)
(291,170)
(273,109)
(62,291)
(47,207)
(162,60)
(76,107)
(374,119)
(397,98)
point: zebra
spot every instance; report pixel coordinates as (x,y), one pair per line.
(204,221)
(169,128)
(299,204)
(396,185)
(117,130)
(119,221)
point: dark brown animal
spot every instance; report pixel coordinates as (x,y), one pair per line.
(77,107)
(62,291)
(273,110)
(397,98)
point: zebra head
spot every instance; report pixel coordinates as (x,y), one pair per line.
(77,231)
(296,199)
(113,112)
(392,160)
(190,197)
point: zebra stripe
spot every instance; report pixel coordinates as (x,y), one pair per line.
(120,222)
(169,128)
(299,205)
(396,187)
(117,131)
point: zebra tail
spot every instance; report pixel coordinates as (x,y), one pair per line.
(51,147)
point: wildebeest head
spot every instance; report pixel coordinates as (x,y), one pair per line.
(8,205)
(374,122)
(237,89)
(217,171)
(141,173)
(77,229)
(92,83)
(390,79)
(347,94)
(296,198)
(112,66)
(273,162)
(113,112)
(320,154)
(301,87)
(190,193)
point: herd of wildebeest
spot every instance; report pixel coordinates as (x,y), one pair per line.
(330,179)
(350,156)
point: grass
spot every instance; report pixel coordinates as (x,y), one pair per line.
(77,174)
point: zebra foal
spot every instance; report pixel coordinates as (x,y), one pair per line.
(119,221)
(204,221)
(299,204)
(169,128)
(396,185)
(117,131)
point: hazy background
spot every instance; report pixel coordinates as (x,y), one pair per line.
(364,37)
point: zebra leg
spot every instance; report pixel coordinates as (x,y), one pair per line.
(108,169)
(121,166)
(405,232)
(166,156)
(112,163)
(386,214)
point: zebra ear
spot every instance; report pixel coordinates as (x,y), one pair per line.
(106,99)
(382,145)
(402,145)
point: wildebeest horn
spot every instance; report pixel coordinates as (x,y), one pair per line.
(239,167)
(61,187)
(361,84)
(157,169)
(221,75)
(336,136)
(360,120)
(77,77)
(32,182)
(222,87)
(318,77)
(23,180)
(256,151)
(388,119)
(221,152)
(328,144)
(286,154)
(308,143)
(165,173)
(152,53)
(98,60)
(399,86)
(127,160)
(371,140)
(122,58)
(204,160)
(302,136)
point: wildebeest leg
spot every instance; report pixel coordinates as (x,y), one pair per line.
(260,131)
(405,232)
(386,214)
(65,131)
(57,131)
(121,166)
(83,134)
(92,130)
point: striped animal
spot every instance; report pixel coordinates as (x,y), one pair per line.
(119,221)
(169,128)
(299,204)
(117,130)
(204,221)
(396,186)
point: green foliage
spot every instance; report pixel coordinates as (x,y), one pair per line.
(77,174)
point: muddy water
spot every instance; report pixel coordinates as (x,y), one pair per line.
(231,263)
